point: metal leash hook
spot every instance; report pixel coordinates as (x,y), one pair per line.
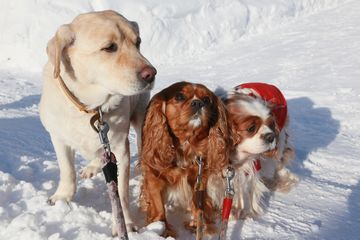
(103,129)
(110,172)
(199,200)
(227,203)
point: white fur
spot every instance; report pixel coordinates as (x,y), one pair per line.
(95,83)
(195,122)
(180,194)
(256,107)
(249,190)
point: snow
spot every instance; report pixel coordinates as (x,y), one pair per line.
(308,48)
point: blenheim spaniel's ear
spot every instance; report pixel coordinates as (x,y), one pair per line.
(157,147)
(219,138)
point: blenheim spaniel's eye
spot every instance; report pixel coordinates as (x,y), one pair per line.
(112,47)
(251,128)
(180,97)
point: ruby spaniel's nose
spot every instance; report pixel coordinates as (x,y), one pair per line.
(148,74)
(197,104)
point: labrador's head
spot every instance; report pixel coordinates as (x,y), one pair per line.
(102,48)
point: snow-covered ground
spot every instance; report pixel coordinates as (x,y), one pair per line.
(309,48)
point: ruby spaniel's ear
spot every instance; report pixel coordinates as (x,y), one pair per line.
(219,138)
(157,144)
(63,38)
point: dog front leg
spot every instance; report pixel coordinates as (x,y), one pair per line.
(153,191)
(122,153)
(67,185)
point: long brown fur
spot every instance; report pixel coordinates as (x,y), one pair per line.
(170,146)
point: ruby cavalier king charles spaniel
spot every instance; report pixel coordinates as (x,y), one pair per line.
(183,123)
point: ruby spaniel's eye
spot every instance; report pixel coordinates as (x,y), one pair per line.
(251,129)
(180,97)
(112,47)
(138,42)
(272,125)
(206,100)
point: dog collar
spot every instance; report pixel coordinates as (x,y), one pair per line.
(82,107)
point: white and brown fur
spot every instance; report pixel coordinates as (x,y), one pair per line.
(266,143)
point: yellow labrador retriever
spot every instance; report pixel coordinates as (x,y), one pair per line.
(98,59)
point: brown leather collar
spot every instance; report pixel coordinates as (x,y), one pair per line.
(82,107)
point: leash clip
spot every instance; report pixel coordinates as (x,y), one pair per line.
(103,129)
(229,175)
(200,164)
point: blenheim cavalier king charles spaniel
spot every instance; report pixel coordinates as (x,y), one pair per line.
(183,122)
(258,119)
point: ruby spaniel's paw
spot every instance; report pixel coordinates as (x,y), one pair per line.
(190,226)
(211,229)
(160,228)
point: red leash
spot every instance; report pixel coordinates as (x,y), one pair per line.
(227,203)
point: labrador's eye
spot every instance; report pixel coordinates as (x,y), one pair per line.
(112,47)
(138,42)
(180,97)
(251,129)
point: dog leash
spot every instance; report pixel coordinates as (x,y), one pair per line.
(227,202)
(199,200)
(110,172)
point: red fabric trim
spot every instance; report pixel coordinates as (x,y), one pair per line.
(273,95)
(256,165)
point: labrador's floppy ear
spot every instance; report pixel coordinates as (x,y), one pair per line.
(63,38)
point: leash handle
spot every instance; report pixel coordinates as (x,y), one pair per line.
(110,172)
(200,225)
(227,202)
(117,209)
(199,200)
